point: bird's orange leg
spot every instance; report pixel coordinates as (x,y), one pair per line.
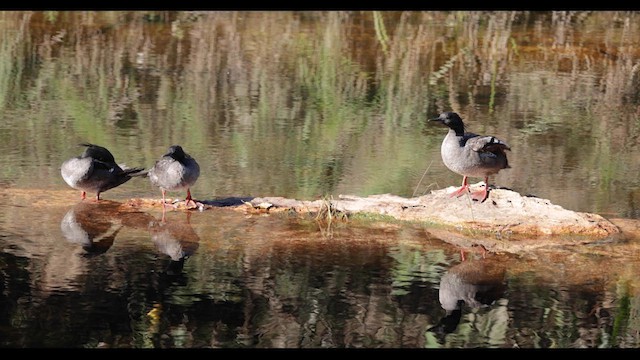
(189,200)
(164,201)
(464,188)
(83,195)
(482,195)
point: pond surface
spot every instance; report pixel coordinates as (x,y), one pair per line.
(310,105)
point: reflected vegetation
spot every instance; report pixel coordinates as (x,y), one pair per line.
(309,105)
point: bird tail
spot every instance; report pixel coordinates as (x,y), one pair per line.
(136,171)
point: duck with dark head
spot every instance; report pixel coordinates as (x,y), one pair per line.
(471,155)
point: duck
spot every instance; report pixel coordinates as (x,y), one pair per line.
(96,170)
(176,170)
(471,155)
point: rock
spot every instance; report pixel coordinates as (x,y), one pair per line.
(506,222)
(504,212)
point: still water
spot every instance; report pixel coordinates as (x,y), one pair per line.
(307,105)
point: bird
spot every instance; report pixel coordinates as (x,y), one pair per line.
(471,155)
(176,170)
(96,170)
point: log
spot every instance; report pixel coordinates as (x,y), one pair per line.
(505,222)
(505,212)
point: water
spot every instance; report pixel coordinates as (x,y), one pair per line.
(307,105)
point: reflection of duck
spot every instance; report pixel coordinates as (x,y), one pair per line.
(92,225)
(475,283)
(95,171)
(174,238)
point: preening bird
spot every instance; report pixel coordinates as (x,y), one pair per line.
(176,170)
(95,170)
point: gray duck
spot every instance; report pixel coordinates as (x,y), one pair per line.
(471,155)
(95,170)
(176,170)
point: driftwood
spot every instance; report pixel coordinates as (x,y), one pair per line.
(505,212)
(505,222)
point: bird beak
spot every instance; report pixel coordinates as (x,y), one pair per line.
(435,119)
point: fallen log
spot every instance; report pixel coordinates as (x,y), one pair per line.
(505,222)
(505,211)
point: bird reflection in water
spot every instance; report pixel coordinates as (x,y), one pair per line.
(95,225)
(474,283)
(92,225)
(175,238)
